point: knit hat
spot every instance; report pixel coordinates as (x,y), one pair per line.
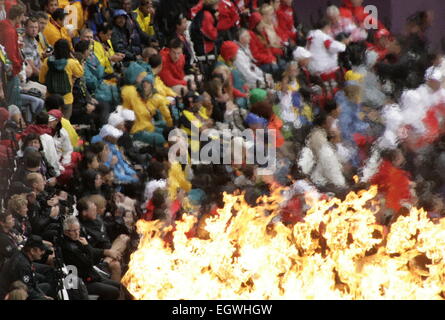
(353,78)
(301,53)
(110,131)
(149,78)
(257,95)
(118,13)
(252,119)
(229,50)
(254,20)
(115,119)
(54,115)
(128,115)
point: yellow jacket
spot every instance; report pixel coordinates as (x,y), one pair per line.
(104,55)
(177,180)
(63,3)
(82,15)
(144,22)
(162,89)
(144,111)
(73,69)
(74,137)
(54,32)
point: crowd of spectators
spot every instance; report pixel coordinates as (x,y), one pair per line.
(91,91)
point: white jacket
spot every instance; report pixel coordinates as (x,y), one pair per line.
(244,63)
(63,146)
(325,50)
(320,160)
(49,149)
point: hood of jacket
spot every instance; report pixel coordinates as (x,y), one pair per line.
(132,72)
(57,64)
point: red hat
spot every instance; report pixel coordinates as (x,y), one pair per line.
(229,49)
(56,114)
(255,18)
(382,33)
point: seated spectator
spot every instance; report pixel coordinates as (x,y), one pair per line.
(103,49)
(155,62)
(144,17)
(58,73)
(78,252)
(55,30)
(20,267)
(18,207)
(173,63)
(8,241)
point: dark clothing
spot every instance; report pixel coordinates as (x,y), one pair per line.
(39,216)
(83,257)
(19,267)
(8,247)
(129,40)
(22,225)
(96,233)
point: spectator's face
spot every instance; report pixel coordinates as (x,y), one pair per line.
(120,21)
(87,36)
(23,211)
(8,225)
(32,29)
(175,54)
(147,7)
(35,144)
(73,232)
(106,36)
(53,5)
(98,181)
(105,154)
(39,185)
(37,254)
(94,164)
(91,213)
(245,38)
(42,24)
(53,124)
(110,178)
(147,87)
(126,5)
(357,3)
(180,28)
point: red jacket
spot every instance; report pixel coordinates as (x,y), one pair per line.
(209,31)
(172,74)
(393,183)
(260,51)
(228,15)
(9,39)
(357,14)
(285,17)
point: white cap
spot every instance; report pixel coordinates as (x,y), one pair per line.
(115,119)
(110,131)
(301,53)
(433,73)
(128,115)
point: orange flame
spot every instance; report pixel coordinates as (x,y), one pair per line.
(339,252)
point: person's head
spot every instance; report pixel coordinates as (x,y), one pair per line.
(292,70)
(181,24)
(105,31)
(331,108)
(83,47)
(126,5)
(32,160)
(90,160)
(92,180)
(87,35)
(333,14)
(50,6)
(36,182)
(268,12)
(146,7)
(107,174)
(156,63)
(116,120)
(101,150)
(7,221)
(58,16)
(320,120)
(17,14)
(87,209)
(43,19)
(61,49)
(32,27)
(229,50)
(175,46)
(71,228)
(244,37)
(54,102)
(395,156)
(87,3)
(18,205)
(146,87)
(34,248)
(120,18)
(54,121)
(149,52)
(324,24)
(31,140)
(100,202)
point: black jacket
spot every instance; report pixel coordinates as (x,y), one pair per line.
(95,232)
(8,247)
(82,257)
(19,267)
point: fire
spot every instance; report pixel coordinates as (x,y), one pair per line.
(339,252)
